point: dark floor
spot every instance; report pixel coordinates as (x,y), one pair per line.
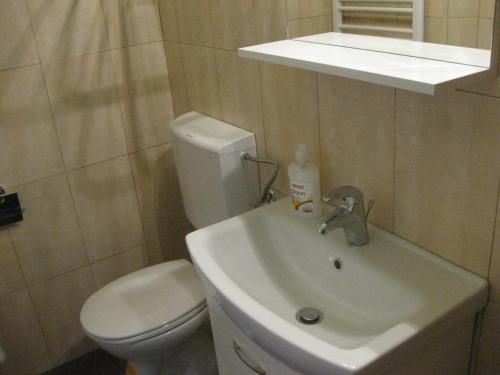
(97,362)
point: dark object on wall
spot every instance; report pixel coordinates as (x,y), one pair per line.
(10,208)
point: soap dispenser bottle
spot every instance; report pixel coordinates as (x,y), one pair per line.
(305,185)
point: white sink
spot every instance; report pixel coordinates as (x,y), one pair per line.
(389,298)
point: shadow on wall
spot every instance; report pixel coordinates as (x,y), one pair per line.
(85,102)
(90,102)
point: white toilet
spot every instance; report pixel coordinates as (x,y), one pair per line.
(152,316)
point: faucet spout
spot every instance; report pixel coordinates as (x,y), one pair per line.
(349,215)
(334,219)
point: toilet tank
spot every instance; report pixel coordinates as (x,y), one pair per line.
(215,183)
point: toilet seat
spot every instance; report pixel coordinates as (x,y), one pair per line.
(144,304)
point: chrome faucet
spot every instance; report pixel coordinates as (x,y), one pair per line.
(349,213)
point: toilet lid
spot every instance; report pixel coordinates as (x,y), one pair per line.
(143,301)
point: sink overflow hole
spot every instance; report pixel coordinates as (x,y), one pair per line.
(337,263)
(309,315)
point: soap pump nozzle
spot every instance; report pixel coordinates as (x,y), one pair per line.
(301,154)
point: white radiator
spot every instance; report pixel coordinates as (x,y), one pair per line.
(413,9)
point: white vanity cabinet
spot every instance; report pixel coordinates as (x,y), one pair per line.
(237,355)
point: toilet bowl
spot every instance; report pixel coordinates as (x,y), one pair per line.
(150,316)
(147,314)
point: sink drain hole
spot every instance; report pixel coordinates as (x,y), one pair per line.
(309,315)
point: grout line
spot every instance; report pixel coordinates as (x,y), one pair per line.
(11,187)
(2,70)
(312,17)
(50,354)
(254,7)
(218,86)
(23,274)
(218,98)
(264,127)
(103,51)
(321,181)
(447,22)
(495,234)
(134,183)
(164,32)
(12,292)
(176,13)
(139,209)
(394,161)
(29,286)
(51,106)
(45,86)
(80,231)
(184,76)
(477,93)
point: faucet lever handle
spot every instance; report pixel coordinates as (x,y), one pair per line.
(351,193)
(371,203)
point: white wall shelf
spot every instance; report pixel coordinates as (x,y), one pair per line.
(406,64)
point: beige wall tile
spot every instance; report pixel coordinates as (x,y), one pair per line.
(488,359)
(144,91)
(132,22)
(436,8)
(194,21)
(293,9)
(169,248)
(485,33)
(239,90)
(180,100)
(489,88)
(357,146)
(58,303)
(310,26)
(463,8)
(119,265)
(11,278)
(270,20)
(494,274)
(168,18)
(106,204)
(158,190)
(447,172)
(462,32)
(435,30)
(66,28)
(282,89)
(48,241)
(487,8)
(233,23)
(310,8)
(84,99)
(28,142)
(16,37)
(21,337)
(201,79)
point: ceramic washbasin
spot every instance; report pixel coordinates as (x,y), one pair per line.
(389,297)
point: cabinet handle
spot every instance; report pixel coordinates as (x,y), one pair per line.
(241,355)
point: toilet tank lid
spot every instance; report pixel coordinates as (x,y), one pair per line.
(211,134)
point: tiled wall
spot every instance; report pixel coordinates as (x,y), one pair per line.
(308,17)
(432,164)
(467,23)
(84,111)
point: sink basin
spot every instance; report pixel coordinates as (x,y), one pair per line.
(379,302)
